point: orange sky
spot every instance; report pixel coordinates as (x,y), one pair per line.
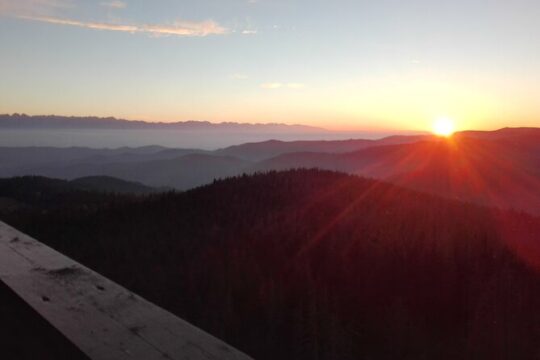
(341,65)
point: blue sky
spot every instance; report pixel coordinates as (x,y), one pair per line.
(341,64)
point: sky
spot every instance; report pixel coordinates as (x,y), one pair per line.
(338,64)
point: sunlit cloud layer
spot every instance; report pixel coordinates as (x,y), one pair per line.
(179,28)
(47,11)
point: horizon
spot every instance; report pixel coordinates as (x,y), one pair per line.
(204,135)
(346,66)
(306,125)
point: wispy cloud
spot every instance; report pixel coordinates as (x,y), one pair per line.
(277,85)
(53,12)
(115,4)
(178,28)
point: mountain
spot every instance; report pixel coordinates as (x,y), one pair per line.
(313,264)
(50,161)
(27,193)
(159,166)
(495,168)
(108,184)
(42,192)
(182,172)
(27,157)
(505,134)
(21,161)
(500,169)
(268,149)
(22,121)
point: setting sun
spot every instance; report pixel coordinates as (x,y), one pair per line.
(444,127)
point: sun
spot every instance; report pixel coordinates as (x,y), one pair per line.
(444,127)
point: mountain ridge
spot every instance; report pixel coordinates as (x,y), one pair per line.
(499,168)
(23,121)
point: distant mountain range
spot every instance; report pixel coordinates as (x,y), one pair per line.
(23,121)
(498,168)
(268,149)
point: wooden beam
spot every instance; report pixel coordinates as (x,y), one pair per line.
(103,319)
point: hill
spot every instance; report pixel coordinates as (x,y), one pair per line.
(500,169)
(183,172)
(23,160)
(313,264)
(495,168)
(37,192)
(268,149)
(174,168)
(109,184)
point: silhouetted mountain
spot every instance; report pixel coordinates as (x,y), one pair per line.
(503,134)
(499,168)
(183,172)
(46,193)
(268,149)
(319,265)
(109,184)
(73,162)
(45,160)
(21,157)
(22,121)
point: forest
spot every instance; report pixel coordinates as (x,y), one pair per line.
(309,264)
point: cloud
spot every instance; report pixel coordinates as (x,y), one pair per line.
(179,28)
(277,85)
(115,4)
(249,32)
(48,11)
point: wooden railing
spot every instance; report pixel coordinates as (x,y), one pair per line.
(103,319)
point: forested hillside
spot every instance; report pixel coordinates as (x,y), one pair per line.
(313,264)
(492,168)
(501,171)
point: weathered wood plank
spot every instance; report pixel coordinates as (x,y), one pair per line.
(103,319)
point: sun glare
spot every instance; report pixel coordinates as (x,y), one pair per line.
(443,127)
